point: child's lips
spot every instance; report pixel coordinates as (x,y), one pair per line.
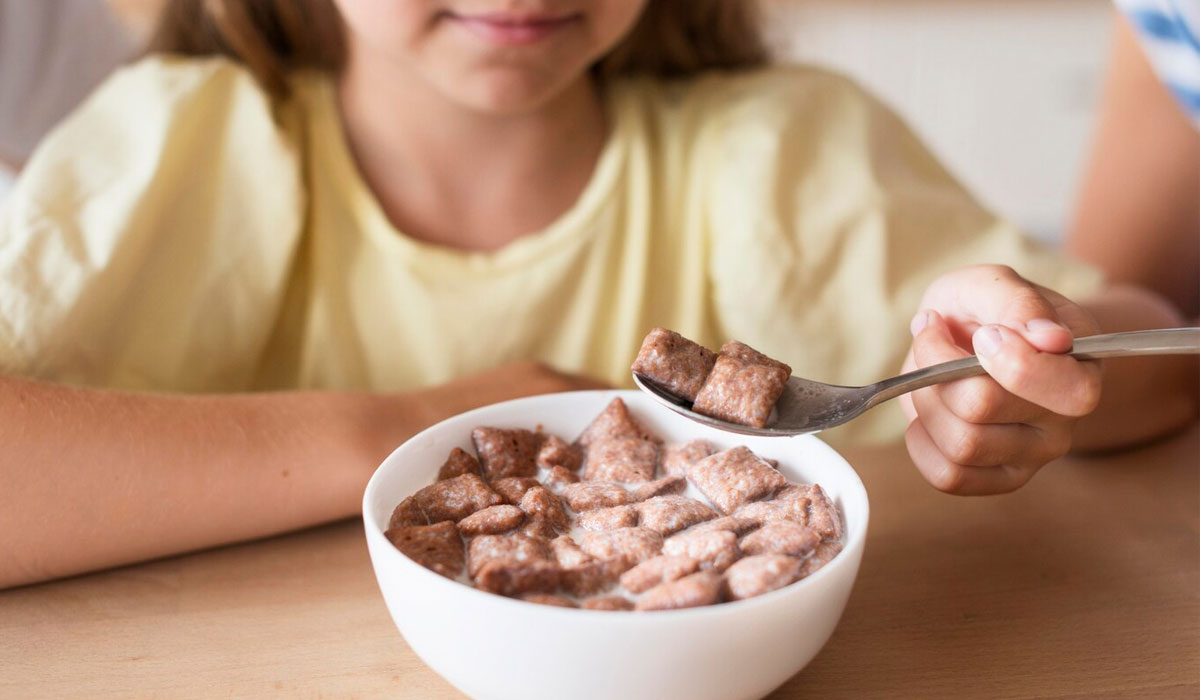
(512,30)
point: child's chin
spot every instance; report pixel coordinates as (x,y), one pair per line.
(504,92)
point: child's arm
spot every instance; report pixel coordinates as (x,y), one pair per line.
(96,478)
(991,434)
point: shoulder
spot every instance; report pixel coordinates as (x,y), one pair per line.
(153,114)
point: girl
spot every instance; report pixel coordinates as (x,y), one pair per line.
(322,228)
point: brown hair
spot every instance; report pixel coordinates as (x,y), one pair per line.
(673,38)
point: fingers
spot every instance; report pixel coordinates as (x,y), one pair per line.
(949,476)
(995,294)
(1059,383)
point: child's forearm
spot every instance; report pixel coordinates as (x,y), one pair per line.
(93,479)
(1142,397)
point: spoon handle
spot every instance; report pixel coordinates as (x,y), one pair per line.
(1168,341)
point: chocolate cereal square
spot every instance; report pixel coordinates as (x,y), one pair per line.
(567,553)
(505,549)
(715,549)
(789,538)
(408,513)
(674,363)
(734,477)
(759,574)
(504,453)
(587,495)
(677,458)
(458,463)
(436,547)
(612,423)
(741,392)
(629,460)
(513,489)
(700,588)
(491,521)
(548,599)
(556,452)
(539,502)
(516,578)
(659,487)
(607,602)
(604,519)
(593,577)
(732,523)
(631,544)
(745,353)
(670,514)
(822,555)
(456,498)
(660,569)
(559,477)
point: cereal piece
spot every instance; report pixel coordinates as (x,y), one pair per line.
(602,519)
(515,578)
(734,477)
(760,574)
(792,539)
(634,544)
(715,549)
(613,422)
(587,495)
(659,487)
(539,502)
(745,353)
(677,459)
(436,547)
(608,602)
(548,599)
(806,504)
(567,553)
(456,498)
(701,588)
(407,514)
(823,516)
(488,549)
(660,569)
(669,514)
(740,392)
(593,577)
(673,362)
(458,463)
(561,476)
(822,555)
(541,528)
(503,453)
(621,459)
(555,452)
(732,523)
(513,488)
(491,521)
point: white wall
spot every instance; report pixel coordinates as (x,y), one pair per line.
(1003,91)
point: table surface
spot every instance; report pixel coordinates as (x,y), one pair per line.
(1084,584)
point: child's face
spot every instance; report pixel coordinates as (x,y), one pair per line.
(496,56)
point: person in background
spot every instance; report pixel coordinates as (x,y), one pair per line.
(297,233)
(1138,213)
(52,54)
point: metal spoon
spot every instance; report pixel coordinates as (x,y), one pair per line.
(807,406)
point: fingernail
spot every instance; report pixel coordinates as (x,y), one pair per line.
(987,341)
(1043,324)
(918,322)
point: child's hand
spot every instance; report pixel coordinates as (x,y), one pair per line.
(990,434)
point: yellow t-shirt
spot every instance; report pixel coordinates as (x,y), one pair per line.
(180,232)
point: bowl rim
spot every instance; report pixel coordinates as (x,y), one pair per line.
(379,545)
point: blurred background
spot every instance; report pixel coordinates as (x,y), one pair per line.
(1004,91)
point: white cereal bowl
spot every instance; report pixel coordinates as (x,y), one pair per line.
(497,648)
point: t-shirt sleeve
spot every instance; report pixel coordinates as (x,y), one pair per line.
(148,242)
(829,219)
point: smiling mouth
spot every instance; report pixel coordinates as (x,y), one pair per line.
(505,29)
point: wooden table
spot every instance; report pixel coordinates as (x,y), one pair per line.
(1085,584)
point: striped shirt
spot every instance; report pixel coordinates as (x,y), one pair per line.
(1169,32)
